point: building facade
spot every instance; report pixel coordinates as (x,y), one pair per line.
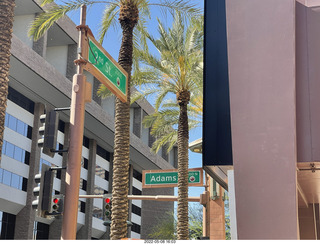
(41,77)
(263,57)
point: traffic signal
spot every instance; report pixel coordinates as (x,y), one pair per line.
(107,204)
(43,191)
(48,132)
(56,204)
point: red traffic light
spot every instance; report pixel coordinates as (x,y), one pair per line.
(55,200)
(107,200)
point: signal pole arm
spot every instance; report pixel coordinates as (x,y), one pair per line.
(151,198)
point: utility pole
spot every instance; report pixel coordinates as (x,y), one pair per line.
(81,93)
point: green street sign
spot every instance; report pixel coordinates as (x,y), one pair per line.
(169,178)
(106,69)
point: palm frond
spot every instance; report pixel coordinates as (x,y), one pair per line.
(165,140)
(103,91)
(188,8)
(108,20)
(44,2)
(45,20)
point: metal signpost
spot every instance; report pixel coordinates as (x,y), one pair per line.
(93,58)
(81,93)
(169,178)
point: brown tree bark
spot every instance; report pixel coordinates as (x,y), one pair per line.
(129,15)
(6,23)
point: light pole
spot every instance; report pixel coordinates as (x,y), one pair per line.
(81,93)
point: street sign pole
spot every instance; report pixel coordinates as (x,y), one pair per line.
(81,93)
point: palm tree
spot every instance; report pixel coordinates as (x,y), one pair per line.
(164,121)
(6,23)
(177,71)
(127,12)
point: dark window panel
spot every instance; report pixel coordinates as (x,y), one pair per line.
(103,153)
(135,228)
(85,142)
(24,184)
(27,158)
(29,132)
(42,231)
(85,163)
(136,210)
(20,100)
(136,191)
(61,126)
(137,175)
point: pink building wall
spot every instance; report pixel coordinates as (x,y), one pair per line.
(261,53)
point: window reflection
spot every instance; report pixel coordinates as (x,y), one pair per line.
(9,150)
(18,154)
(15,152)
(17,125)
(21,128)
(12,123)
(13,180)
(6,120)
(6,177)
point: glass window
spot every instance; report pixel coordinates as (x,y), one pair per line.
(24,184)
(18,153)
(15,181)
(9,150)
(6,120)
(4,147)
(21,128)
(7,222)
(101,172)
(1,174)
(12,123)
(25,159)
(6,177)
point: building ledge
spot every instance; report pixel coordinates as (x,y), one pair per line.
(310,3)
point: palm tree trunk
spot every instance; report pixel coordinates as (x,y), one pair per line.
(120,185)
(6,23)
(183,160)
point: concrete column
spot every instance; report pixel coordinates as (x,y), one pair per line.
(137,117)
(217,220)
(232,206)
(261,57)
(85,231)
(25,218)
(40,46)
(56,225)
(151,139)
(213,213)
(96,85)
(72,55)
(307,223)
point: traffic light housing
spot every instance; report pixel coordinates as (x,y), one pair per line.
(48,132)
(43,191)
(107,204)
(57,205)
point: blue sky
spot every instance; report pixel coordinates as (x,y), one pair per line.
(112,46)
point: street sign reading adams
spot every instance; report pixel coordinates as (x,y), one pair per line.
(105,68)
(169,178)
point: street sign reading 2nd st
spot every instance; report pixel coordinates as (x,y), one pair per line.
(105,68)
